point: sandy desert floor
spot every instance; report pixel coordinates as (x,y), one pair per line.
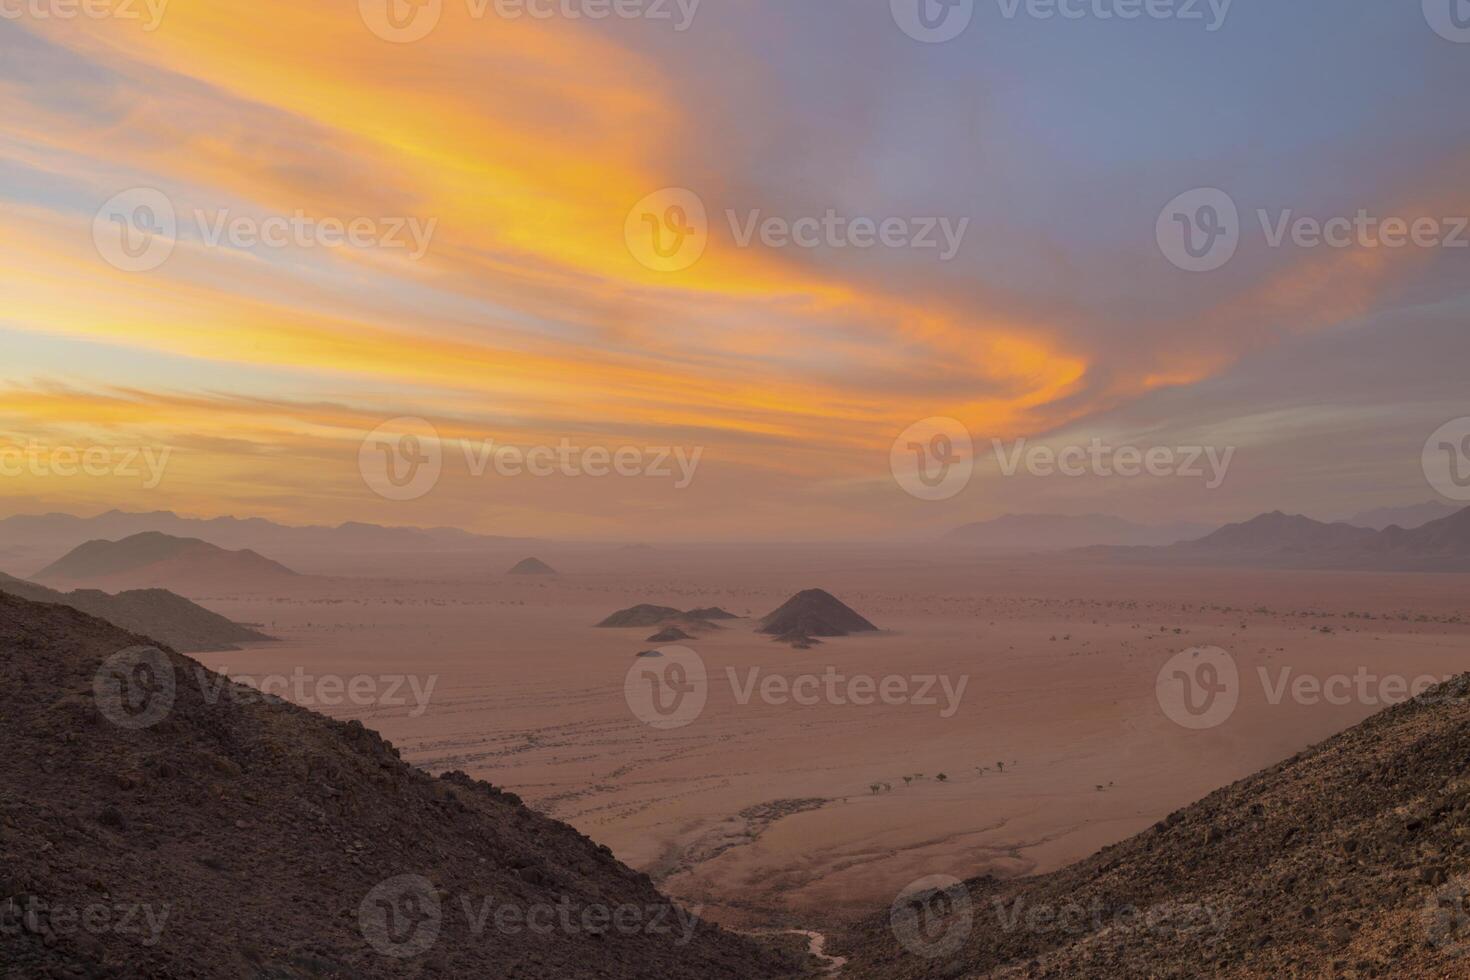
(765,813)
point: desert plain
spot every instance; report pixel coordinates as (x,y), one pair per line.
(1029,683)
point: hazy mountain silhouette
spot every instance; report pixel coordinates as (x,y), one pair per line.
(1278,540)
(47,536)
(1412,516)
(154,560)
(158,613)
(1058,531)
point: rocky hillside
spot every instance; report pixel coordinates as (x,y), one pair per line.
(156,824)
(158,613)
(1351,859)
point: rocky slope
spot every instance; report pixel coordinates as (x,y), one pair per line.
(1351,859)
(155,824)
(158,613)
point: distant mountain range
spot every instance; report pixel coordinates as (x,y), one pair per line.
(1415,515)
(1053,532)
(40,538)
(154,560)
(155,613)
(1278,540)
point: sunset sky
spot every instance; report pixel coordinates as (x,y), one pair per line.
(524,144)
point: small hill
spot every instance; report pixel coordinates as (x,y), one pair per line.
(710,612)
(264,840)
(669,634)
(167,618)
(531,566)
(1347,860)
(641,615)
(814,612)
(154,560)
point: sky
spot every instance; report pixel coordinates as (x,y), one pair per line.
(622,276)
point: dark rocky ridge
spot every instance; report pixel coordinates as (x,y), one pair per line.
(262,831)
(158,613)
(1350,859)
